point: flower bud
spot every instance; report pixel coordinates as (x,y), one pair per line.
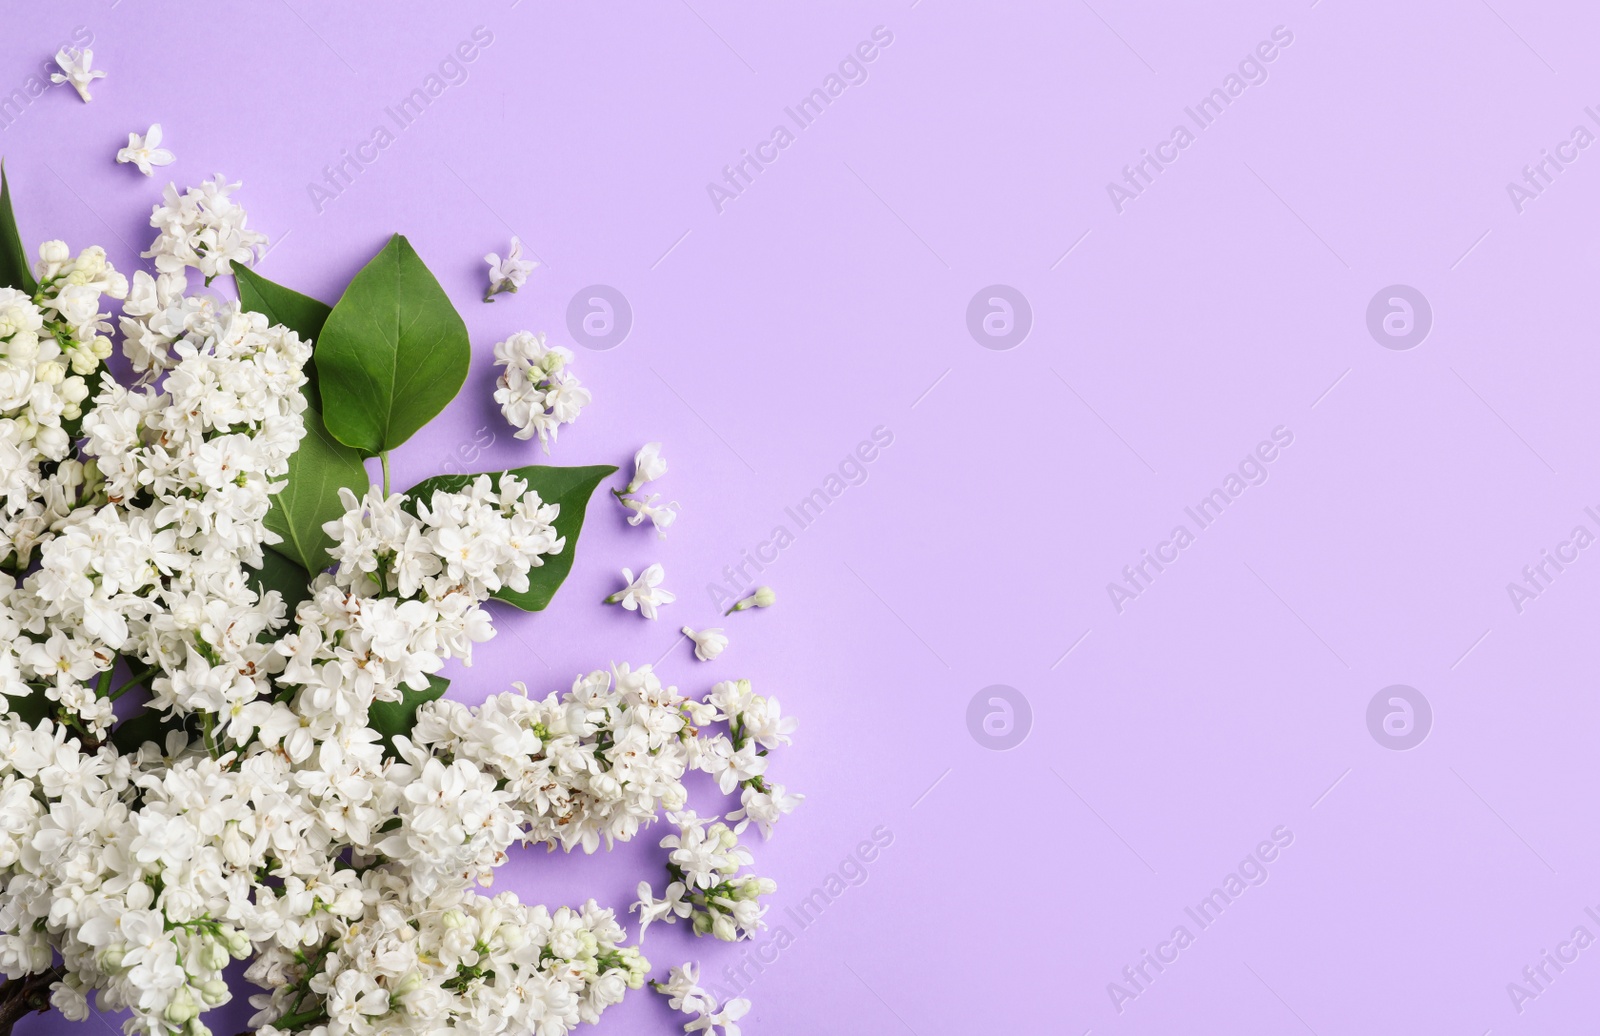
(238,945)
(182,1009)
(411,983)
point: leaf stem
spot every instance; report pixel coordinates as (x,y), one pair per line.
(383,458)
(138,678)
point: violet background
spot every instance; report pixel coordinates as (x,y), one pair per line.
(1167,340)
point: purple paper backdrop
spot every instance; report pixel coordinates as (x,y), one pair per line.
(1169,329)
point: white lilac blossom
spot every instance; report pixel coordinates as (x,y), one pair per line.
(583,769)
(204,228)
(764,597)
(146,151)
(510,273)
(704,885)
(643,594)
(683,993)
(646,508)
(74,65)
(756,725)
(708,643)
(51,346)
(537,392)
(648,465)
(262,816)
(704,881)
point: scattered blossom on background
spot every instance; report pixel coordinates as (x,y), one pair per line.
(683,993)
(708,643)
(763,597)
(74,65)
(510,273)
(537,392)
(648,465)
(146,151)
(644,594)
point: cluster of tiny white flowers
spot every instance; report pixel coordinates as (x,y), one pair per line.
(157,313)
(251,811)
(648,465)
(756,725)
(586,768)
(204,228)
(147,562)
(683,993)
(704,882)
(51,346)
(462,962)
(537,392)
(406,595)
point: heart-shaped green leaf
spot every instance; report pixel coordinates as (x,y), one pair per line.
(317,470)
(14,272)
(301,314)
(398,717)
(393,353)
(569,487)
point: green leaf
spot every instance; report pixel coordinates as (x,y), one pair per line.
(149,725)
(318,468)
(279,573)
(569,487)
(301,314)
(393,353)
(14,272)
(398,717)
(33,708)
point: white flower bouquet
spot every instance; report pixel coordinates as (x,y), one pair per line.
(223,733)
